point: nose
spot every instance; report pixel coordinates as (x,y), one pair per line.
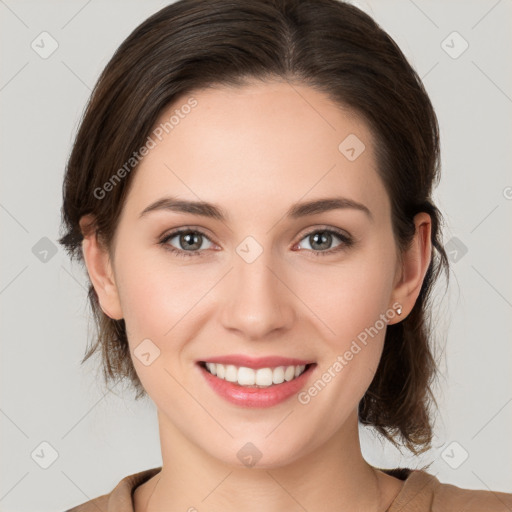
(258,303)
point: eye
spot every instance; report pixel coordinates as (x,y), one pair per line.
(190,240)
(321,239)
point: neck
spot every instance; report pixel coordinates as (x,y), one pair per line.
(334,477)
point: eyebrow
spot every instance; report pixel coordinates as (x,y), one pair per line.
(296,211)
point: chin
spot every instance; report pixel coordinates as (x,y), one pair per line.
(259,453)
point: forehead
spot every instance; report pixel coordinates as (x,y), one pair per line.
(260,146)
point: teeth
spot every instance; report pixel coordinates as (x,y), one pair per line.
(278,375)
(289,373)
(263,377)
(246,376)
(221,371)
(231,373)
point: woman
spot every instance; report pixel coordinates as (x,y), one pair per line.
(250,191)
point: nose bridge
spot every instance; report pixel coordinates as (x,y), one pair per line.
(257,301)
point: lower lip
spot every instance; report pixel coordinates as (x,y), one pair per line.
(256,397)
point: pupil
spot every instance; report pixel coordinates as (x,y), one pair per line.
(187,238)
(326,237)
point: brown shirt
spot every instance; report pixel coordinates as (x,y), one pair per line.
(421,492)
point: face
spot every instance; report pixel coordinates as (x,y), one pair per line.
(317,286)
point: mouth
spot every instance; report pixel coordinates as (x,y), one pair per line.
(255,378)
(256,387)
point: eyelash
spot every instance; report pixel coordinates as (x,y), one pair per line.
(347,242)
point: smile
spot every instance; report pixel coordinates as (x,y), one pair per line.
(255,387)
(260,378)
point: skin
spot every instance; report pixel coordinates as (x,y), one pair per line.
(256,150)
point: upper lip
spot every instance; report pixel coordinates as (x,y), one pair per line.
(256,362)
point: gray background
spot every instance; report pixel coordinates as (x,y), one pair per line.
(99,437)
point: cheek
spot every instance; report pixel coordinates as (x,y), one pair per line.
(158,297)
(160,303)
(350,299)
(353,306)
(153,302)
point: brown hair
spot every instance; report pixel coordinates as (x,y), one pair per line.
(325,44)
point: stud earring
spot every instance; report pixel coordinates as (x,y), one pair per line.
(399,310)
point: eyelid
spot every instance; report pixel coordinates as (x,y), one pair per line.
(314,229)
(170,233)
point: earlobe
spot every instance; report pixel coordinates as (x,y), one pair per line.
(414,265)
(100,271)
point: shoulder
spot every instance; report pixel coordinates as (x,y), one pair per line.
(469,500)
(120,498)
(99,503)
(422,491)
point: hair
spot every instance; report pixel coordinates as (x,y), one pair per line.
(328,45)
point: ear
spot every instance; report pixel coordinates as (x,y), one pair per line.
(99,267)
(413,266)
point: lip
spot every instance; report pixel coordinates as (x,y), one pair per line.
(256,362)
(253,397)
